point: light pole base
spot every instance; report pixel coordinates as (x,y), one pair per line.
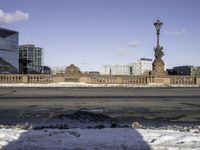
(158,67)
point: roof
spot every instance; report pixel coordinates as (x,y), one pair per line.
(146,59)
(6,32)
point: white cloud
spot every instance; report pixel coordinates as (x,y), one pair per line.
(13,17)
(126,50)
(123,52)
(133,44)
(175,33)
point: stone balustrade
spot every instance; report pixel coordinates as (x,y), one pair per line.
(118,79)
(101,79)
(39,78)
(4,78)
(104,79)
(184,80)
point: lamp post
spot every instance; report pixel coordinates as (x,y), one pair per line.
(158,49)
(158,64)
(158,25)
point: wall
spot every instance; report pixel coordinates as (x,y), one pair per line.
(100,79)
(17,78)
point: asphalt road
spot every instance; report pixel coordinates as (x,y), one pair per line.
(152,103)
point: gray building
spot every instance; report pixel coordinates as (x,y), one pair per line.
(46,70)
(30,59)
(140,67)
(185,70)
(197,71)
(182,70)
(9,53)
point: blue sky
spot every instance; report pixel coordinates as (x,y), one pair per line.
(90,33)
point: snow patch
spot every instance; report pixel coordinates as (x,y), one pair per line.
(104,139)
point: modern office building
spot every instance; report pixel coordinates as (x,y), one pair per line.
(189,70)
(197,71)
(114,70)
(140,67)
(106,70)
(46,70)
(30,59)
(184,70)
(9,53)
(57,70)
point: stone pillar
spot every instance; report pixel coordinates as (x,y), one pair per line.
(25,79)
(198,80)
(161,79)
(150,79)
(119,80)
(58,79)
(85,79)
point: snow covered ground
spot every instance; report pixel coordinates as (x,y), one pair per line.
(98,139)
(81,84)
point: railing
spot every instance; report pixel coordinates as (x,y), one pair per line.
(39,78)
(10,78)
(134,79)
(185,80)
(104,79)
(99,79)
(118,79)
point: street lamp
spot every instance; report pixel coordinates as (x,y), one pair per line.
(158,63)
(158,25)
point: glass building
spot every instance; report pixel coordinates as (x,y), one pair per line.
(30,59)
(9,53)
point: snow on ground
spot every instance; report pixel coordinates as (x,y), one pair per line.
(98,139)
(81,84)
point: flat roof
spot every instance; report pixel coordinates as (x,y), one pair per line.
(6,32)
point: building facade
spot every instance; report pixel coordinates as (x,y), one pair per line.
(197,71)
(46,70)
(185,70)
(140,67)
(115,70)
(30,59)
(9,52)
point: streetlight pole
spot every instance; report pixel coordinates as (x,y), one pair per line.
(158,64)
(158,25)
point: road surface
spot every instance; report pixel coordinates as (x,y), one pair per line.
(174,104)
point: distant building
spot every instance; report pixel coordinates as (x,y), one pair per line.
(182,70)
(197,71)
(171,72)
(106,70)
(9,53)
(185,70)
(93,72)
(114,70)
(46,70)
(57,70)
(30,59)
(140,67)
